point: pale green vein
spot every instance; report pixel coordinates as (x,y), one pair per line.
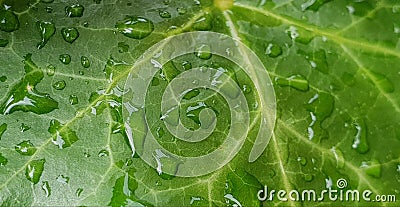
(331,35)
(372,78)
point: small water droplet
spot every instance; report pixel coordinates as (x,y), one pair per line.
(273,50)
(103,153)
(308,177)
(47,1)
(372,168)
(360,143)
(164,14)
(160,132)
(3,160)
(3,78)
(65,59)
(86,24)
(47,30)
(62,135)
(85,62)
(46,188)
(73,99)
(3,42)
(59,85)
(8,21)
(62,179)
(203,52)
(135,27)
(186,65)
(78,192)
(204,23)
(49,9)
(34,170)
(24,127)
(3,128)
(81,72)
(75,10)
(181,10)
(298,82)
(302,160)
(51,70)
(70,34)
(123,47)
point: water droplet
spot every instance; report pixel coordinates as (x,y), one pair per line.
(97,1)
(273,50)
(65,59)
(313,5)
(8,21)
(3,160)
(372,168)
(81,72)
(321,105)
(78,192)
(123,47)
(85,62)
(181,10)
(25,148)
(308,177)
(135,27)
(75,10)
(302,160)
(164,14)
(73,99)
(298,82)
(203,52)
(317,60)
(3,78)
(59,85)
(70,34)
(3,42)
(62,179)
(103,153)
(47,30)
(186,65)
(191,94)
(62,135)
(3,128)
(86,24)
(24,127)
(49,9)
(382,81)
(34,170)
(51,70)
(204,23)
(24,96)
(86,154)
(46,188)
(47,1)
(360,143)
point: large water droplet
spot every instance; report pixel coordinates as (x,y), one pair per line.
(360,143)
(135,27)
(75,10)
(85,62)
(3,128)
(25,148)
(62,135)
(59,85)
(34,170)
(298,82)
(191,94)
(3,160)
(47,30)
(24,97)
(46,188)
(372,168)
(70,34)
(164,14)
(65,59)
(203,52)
(3,42)
(62,179)
(8,21)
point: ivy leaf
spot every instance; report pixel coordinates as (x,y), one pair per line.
(64,139)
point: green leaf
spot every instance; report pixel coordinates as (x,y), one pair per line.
(65,140)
